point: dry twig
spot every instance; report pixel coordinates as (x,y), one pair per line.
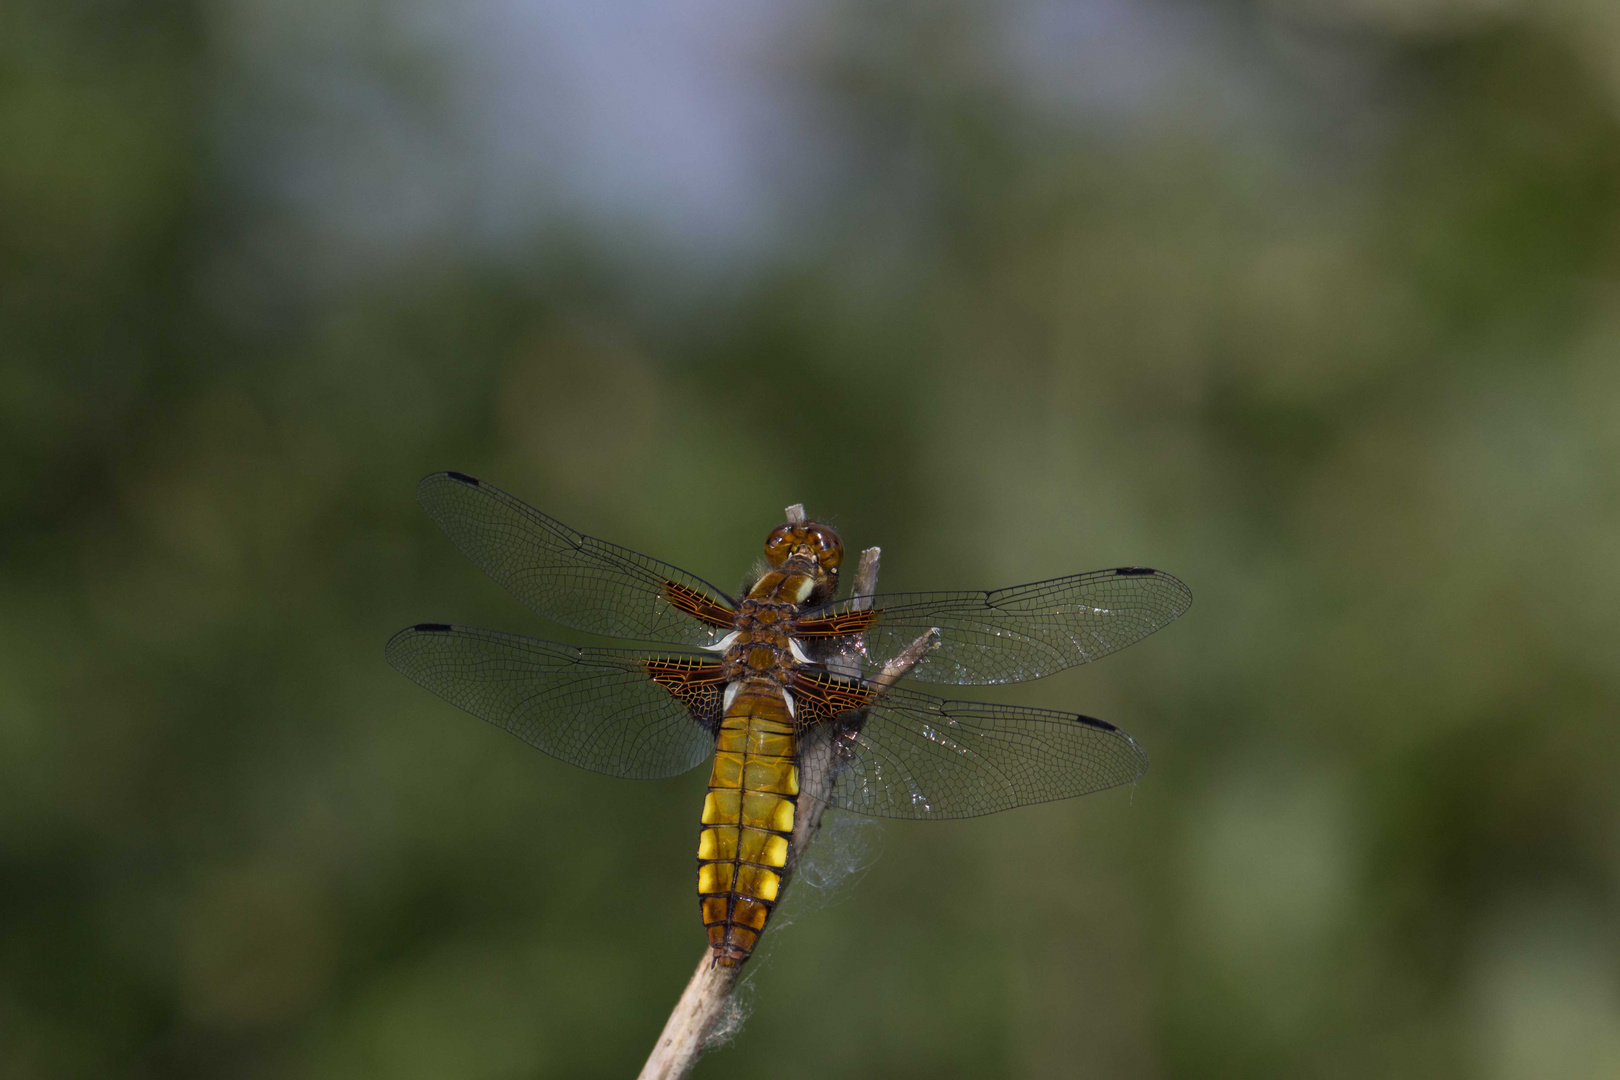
(707,996)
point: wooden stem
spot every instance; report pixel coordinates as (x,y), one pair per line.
(701,1005)
(708,994)
(866,579)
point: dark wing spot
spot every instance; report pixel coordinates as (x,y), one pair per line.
(1130,571)
(1100,725)
(432,627)
(463,477)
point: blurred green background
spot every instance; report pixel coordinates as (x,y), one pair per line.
(1313,303)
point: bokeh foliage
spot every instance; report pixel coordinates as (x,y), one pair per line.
(1342,355)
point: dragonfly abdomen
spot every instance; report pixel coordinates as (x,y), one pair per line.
(747,821)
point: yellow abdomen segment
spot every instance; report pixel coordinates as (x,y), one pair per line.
(747,822)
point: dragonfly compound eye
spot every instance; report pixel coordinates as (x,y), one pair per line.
(829,548)
(779,544)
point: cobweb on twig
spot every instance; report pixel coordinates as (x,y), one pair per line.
(843,851)
(733,1015)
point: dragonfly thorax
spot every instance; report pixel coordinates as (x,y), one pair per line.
(762,648)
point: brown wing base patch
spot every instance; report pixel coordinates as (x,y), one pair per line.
(850,622)
(822,698)
(706,609)
(698,684)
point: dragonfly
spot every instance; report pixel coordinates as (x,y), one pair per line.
(787,691)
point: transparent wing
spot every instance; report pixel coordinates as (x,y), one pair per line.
(611,711)
(1008,635)
(571,578)
(901,754)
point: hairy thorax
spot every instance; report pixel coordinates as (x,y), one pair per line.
(762,650)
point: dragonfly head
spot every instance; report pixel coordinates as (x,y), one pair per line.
(807,548)
(810,541)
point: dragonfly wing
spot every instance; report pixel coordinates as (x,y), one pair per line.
(612,711)
(901,754)
(1008,635)
(569,577)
